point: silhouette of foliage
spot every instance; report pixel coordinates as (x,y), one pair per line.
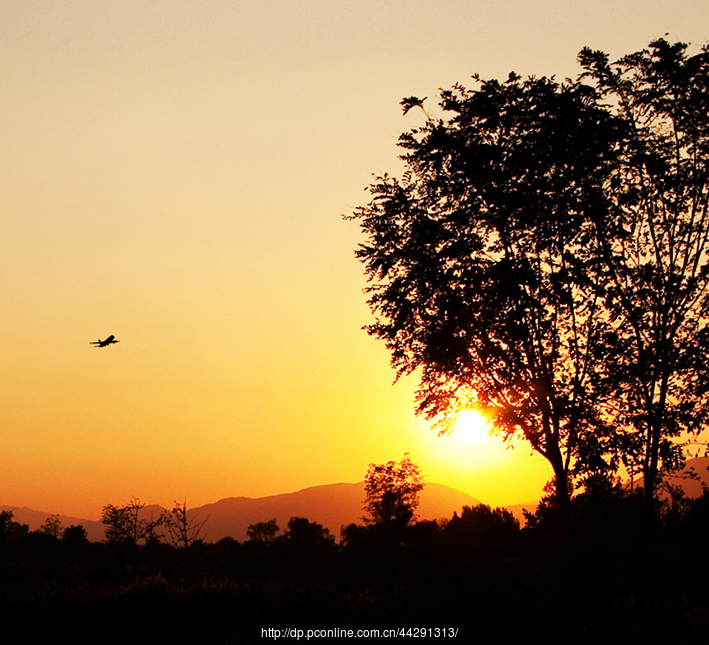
(302,531)
(655,243)
(436,571)
(480,531)
(483,275)
(53,526)
(118,524)
(543,235)
(263,531)
(182,530)
(392,494)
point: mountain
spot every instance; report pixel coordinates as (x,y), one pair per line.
(692,478)
(35,519)
(332,505)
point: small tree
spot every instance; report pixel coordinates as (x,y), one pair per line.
(136,525)
(480,531)
(7,525)
(265,532)
(151,535)
(52,526)
(183,531)
(309,543)
(302,531)
(392,494)
(118,524)
(75,535)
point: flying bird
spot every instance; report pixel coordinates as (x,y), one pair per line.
(104,343)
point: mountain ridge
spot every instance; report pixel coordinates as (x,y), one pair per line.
(332,505)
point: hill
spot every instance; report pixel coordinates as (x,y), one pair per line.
(693,478)
(332,505)
(35,519)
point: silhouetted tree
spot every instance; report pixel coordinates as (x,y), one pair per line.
(655,243)
(52,529)
(75,544)
(183,530)
(302,530)
(264,532)
(483,275)
(516,262)
(118,524)
(52,526)
(307,544)
(150,533)
(75,535)
(136,525)
(392,494)
(479,532)
(6,525)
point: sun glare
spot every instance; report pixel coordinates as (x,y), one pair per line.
(470,427)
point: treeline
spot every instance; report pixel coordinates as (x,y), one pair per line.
(480,564)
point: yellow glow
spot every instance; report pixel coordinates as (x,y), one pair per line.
(471,427)
(174,175)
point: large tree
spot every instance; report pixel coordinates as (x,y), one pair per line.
(543,256)
(484,275)
(655,243)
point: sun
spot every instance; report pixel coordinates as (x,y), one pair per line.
(471,427)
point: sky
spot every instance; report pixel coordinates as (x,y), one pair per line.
(175,173)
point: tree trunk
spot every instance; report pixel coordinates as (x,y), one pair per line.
(564,502)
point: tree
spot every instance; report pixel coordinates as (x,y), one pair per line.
(135,525)
(482,268)
(543,255)
(308,542)
(126,526)
(53,526)
(151,535)
(392,494)
(302,531)
(655,246)
(183,531)
(75,535)
(479,532)
(264,532)
(118,524)
(7,524)
(75,544)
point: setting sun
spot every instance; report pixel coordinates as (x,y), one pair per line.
(471,427)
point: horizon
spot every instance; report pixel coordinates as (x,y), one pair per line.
(175,177)
(149,503)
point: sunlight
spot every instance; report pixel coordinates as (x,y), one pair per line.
(471,427)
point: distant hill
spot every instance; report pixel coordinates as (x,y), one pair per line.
(691,478)
(35,519)
(332,505)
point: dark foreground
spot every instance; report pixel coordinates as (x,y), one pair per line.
(477,576)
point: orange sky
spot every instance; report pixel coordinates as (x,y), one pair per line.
(174,173)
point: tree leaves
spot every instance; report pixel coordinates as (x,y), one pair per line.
(544,255)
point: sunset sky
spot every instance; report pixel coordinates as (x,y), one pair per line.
(174,173)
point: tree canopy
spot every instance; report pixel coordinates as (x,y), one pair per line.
(392,494)
(654,247)
(543,255)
